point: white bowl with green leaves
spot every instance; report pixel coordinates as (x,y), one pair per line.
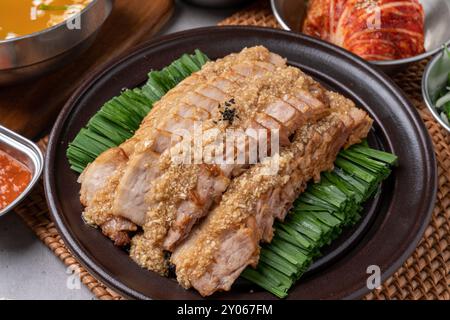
(436,87)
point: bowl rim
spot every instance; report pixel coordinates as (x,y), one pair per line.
(426,93)
(285,26)
(46,30)
(33,152)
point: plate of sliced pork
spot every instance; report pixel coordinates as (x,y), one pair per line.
(240,163)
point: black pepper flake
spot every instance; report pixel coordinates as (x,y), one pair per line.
(228,113)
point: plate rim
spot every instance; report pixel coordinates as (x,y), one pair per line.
(99,72)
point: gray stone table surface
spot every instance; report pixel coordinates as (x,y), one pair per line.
(28,269)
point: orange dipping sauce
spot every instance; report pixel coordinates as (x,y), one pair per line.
(14,178)
(22,17)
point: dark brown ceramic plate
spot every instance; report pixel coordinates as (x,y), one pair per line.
(394,220)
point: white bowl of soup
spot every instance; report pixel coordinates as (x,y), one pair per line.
(37,36)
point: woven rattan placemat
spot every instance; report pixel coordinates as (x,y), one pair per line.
(425,275)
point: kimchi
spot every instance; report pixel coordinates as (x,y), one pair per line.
(372,29)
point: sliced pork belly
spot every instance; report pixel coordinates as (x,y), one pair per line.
(224,78)
(96,181)
(280,101)
(99,181)
(96,174)
(100,178)
(276,114)
(192,108)
(227,241)
(184,194)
